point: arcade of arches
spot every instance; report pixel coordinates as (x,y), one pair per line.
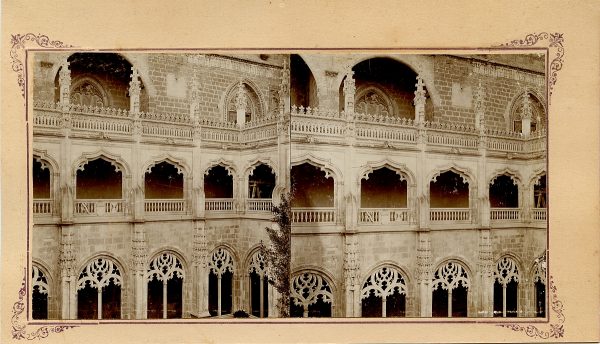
(419,185)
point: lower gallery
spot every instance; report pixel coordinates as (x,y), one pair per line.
(419,184)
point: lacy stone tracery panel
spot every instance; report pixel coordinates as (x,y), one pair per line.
(307,287)
(384,282)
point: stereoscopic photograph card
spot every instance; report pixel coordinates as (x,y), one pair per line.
(300,172)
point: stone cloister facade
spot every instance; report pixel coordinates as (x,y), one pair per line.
(419,184)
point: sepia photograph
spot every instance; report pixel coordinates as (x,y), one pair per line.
(414,185)
(299,172)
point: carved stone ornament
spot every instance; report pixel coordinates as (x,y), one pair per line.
(221,262)
(38,279)
(383,283)
(351,259)
(307,287)
(372,103)
(450,276)
(165,267)
(258,264)
(99,273)
(506,271)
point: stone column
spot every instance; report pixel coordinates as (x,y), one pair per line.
(349,92)
(526,115)
(241,103)
(200,270)
(135,87)
(139,259)
(485,266)
(67,183)
(64,83)
(422,196)
(68,275)
(137,188)
(351,275)
(481,204)
(424,273)
(420,100)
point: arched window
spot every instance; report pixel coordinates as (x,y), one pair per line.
(313,186)
(102,80)
(449,198)
(99,179)
(99,290)
(88,92)
(384,294)
(539,192)
(165,287)
(303,87)
(527,104)
(261,182)
(385,87)
(163,189)
(383,197)
(450,291)
(504,198)
(244,98)
(506,286)
(42,190)
(220,283)
(39,294)
(311,296)
(218,183)
(539,281)
(313,199)
(99,188)
(259,286)
(449,190)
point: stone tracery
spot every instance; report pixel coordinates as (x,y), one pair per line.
(308,287)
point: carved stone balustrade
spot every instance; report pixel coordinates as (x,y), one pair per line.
(165,206)
(100,207)
(219,204)
(42,206)
(505,214)
(539,214)
(259,205)
(450,215)
(383,215)
(313,215)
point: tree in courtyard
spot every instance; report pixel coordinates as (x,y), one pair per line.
(278,253)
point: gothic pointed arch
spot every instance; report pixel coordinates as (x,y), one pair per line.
(102,79)
(325,165)
(165,275)
(250,96)
(221,260)
(507,171)
(384,291)
(311,294)
(450,289)
(88,91)
(227,164)
(401,169)
(507,276)
(180,164)
(99,288)
(221,269)
(421,65)
(46,160)
(116,160)
(465,173)
(371,100)
(41,291)
(261,160)
(514,111)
